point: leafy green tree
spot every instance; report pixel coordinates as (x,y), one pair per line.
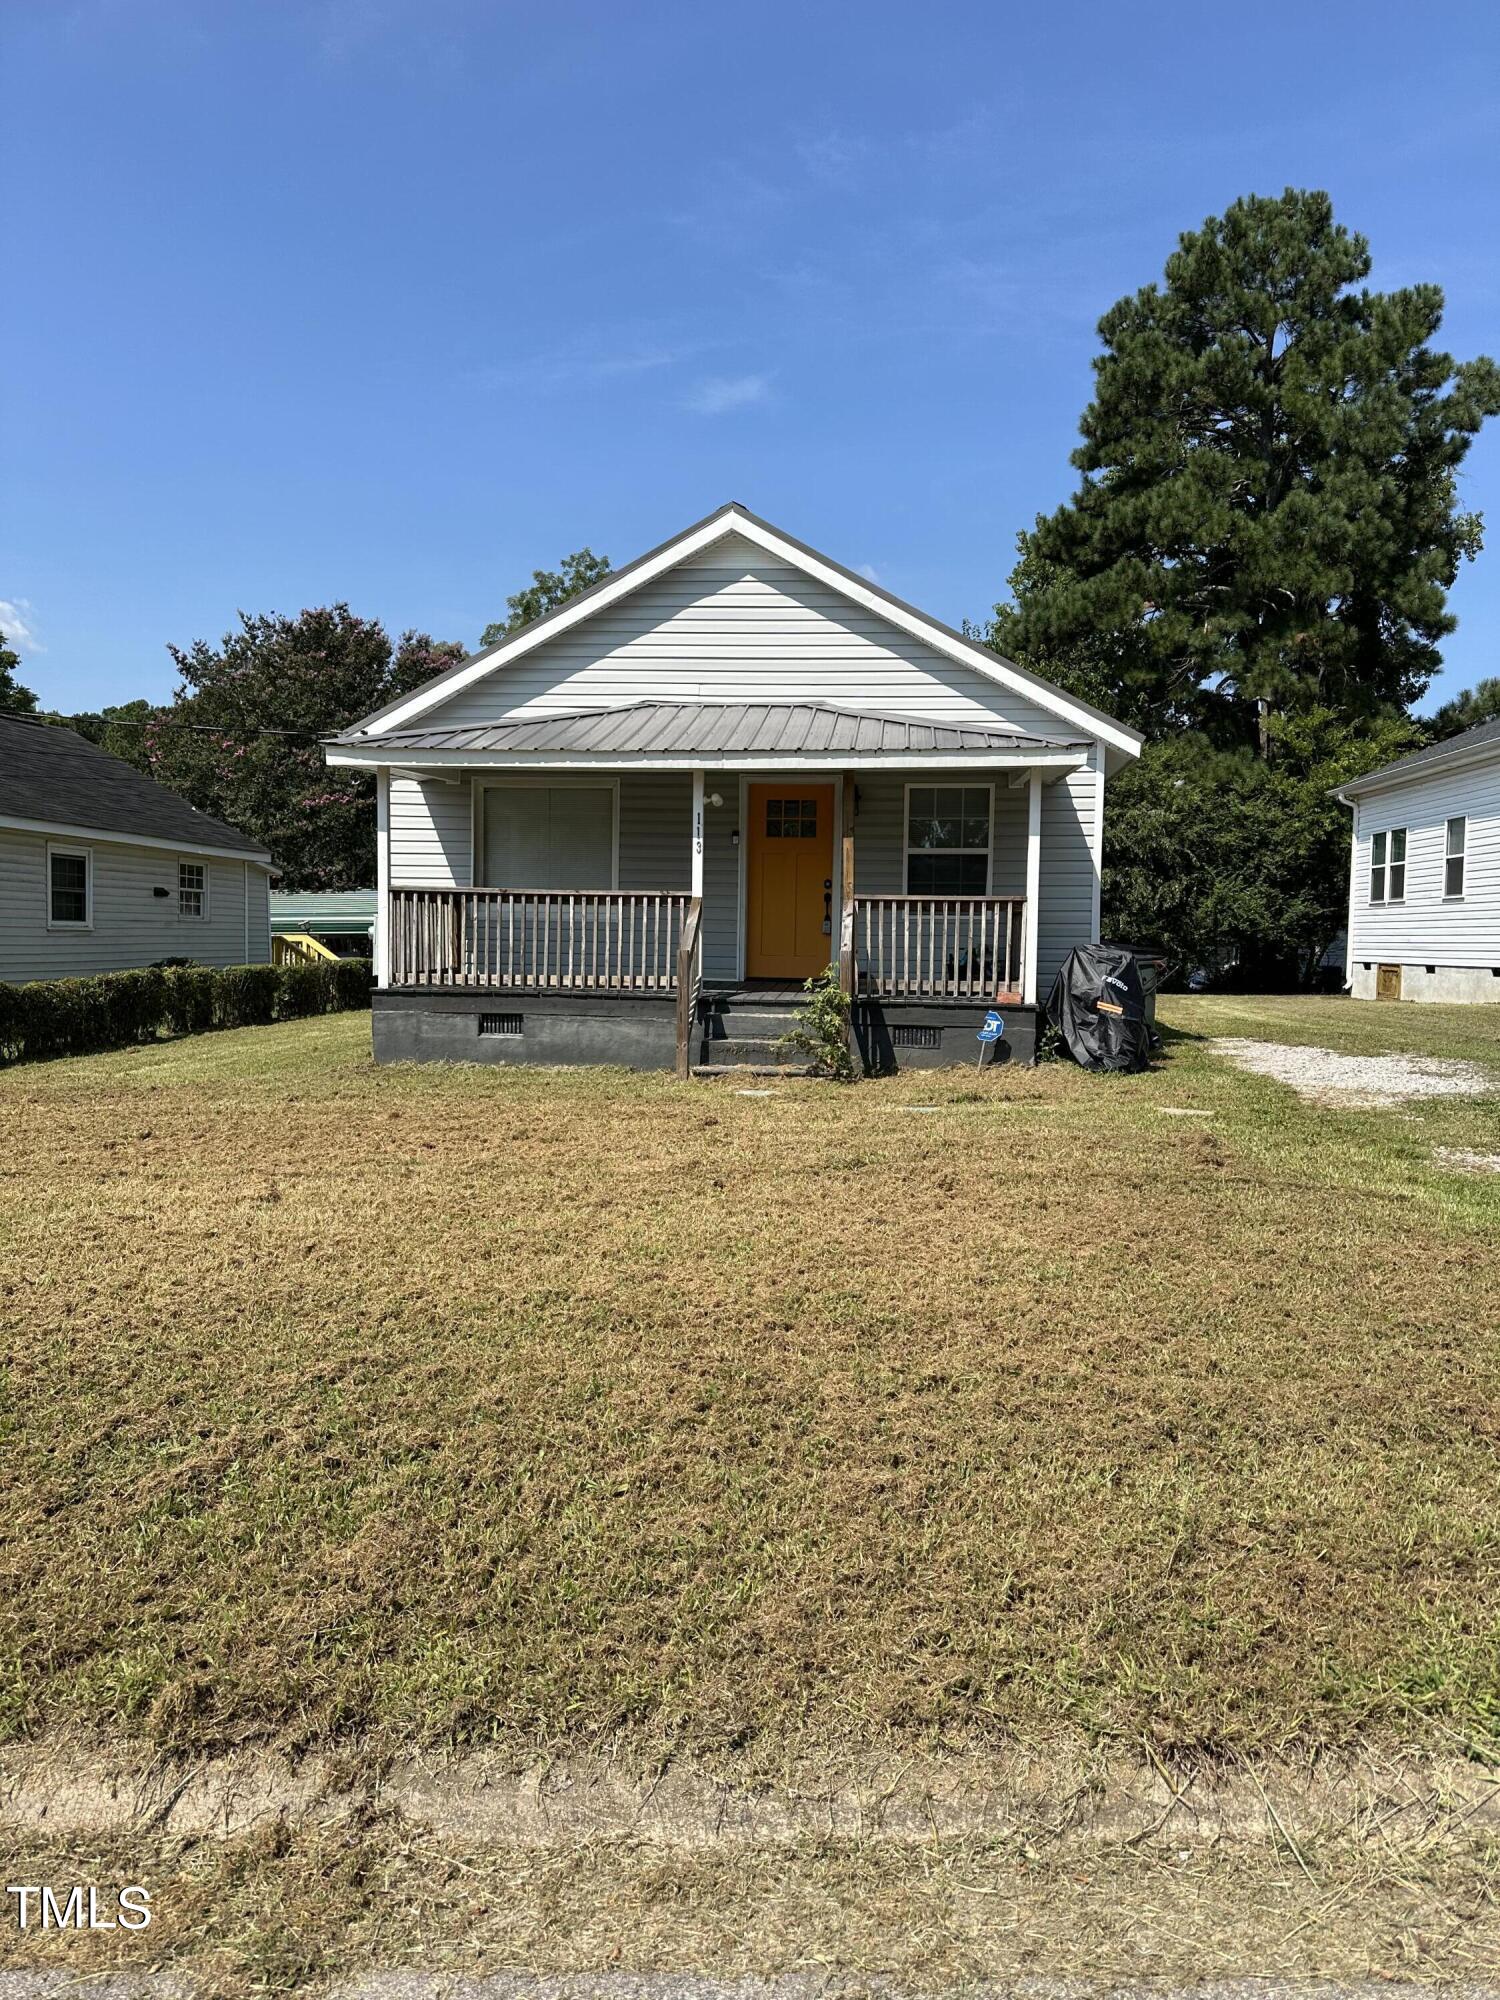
(1269,516)
(14,699)
(116,729)
(242,738)
(1223,857)
(1480,703)
(548,588)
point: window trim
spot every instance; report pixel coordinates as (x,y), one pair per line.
(546,781)
(907,850)
(1385,900)
(86,855)
(188,916)
(1449,857)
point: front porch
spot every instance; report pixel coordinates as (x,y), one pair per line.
(539,875)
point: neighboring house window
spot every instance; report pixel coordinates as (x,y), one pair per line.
(1388,866)
(192,889)
(70,888)
(947,840)
(549,837)
(1453,857)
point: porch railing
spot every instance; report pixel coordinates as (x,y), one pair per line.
(938,947)
(581,940)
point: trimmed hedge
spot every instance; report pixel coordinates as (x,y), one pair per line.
(117,1010)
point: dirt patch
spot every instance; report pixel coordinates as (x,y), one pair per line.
(926,1871)
(1464,1160)
(1324,1076)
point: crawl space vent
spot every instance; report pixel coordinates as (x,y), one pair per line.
(909,1037)
(500,1024)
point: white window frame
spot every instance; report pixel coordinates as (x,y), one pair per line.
(1385,838)
(75,852)
(200,915)
(944,784)
(1460,820)
(544,781)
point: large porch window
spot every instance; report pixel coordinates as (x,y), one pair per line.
(948,840)
(549,836)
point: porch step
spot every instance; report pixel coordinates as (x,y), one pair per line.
(710,1072)
(725,1050)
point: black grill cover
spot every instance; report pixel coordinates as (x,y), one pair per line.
(1097,1007)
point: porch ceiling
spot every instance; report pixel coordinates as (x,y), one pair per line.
(713,733)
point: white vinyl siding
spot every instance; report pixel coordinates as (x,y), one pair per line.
(132,925)
(1430,926)
(733,624)
(431,833)
(1068,863)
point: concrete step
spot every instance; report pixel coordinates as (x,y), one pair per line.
(711,1072)
(722,1049)
(753,1022)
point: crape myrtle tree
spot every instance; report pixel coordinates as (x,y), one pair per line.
(242,738)
(1258,555)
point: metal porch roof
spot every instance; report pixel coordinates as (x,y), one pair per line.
(715,729)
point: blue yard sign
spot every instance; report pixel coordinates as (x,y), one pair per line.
(993,1029)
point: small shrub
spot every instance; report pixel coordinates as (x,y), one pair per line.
(305,990)
(190,997)
(352,981)
(822,1030)
(247,995)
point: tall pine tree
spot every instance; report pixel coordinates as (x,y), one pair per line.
(1268,520)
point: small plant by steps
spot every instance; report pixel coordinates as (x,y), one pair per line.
(822,1030)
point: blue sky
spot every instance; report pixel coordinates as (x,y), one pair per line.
(395,302)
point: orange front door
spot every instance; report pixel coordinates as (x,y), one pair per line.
(789,900)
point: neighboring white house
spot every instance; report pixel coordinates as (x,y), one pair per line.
(722,768)
(102,869)
(1424,890)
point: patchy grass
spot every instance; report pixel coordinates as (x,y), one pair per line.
(456,1403)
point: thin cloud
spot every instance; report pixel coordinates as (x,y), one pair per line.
(718,395)
(833,158)
(581,363)
(869,572)
(15,622)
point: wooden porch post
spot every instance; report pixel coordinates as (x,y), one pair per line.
(382,876)
(846,883)
(698,833)
(1031,918)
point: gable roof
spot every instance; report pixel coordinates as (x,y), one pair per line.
(1484,737)
(718,730)
(51,777)
(735,519)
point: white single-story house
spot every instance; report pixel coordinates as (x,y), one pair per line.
(1424,873)
(631,829)
(102,869)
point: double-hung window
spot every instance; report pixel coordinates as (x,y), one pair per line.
(1453,857)
(70,889)
(192,889)
(1388,866)
(948,840)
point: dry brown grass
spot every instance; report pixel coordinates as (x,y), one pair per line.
(561,1405)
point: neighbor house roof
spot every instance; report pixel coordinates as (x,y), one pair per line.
(734,518)
(322,909)
(51,778)
(1480,741)
(715,730)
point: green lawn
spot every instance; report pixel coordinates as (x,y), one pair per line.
(461,1403)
